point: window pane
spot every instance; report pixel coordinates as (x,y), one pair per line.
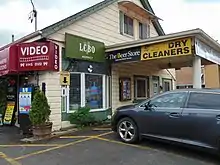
(94,93)
(75,92)
(204,101)
(171,100)
(143,31)
(128,25)
(125,24)
(140,30)
(141,88)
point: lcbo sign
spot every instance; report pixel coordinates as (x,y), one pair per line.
(38,56)
(86,47)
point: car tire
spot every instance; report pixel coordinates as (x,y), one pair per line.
(130,133)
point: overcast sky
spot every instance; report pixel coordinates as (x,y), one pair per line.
(178,15)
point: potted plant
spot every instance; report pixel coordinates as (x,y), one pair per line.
(39,115)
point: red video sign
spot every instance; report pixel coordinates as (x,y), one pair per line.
(38,56)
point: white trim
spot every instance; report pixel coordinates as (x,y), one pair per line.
(104,91)
(98,110)
(107,92)
(83,90)
(68,99)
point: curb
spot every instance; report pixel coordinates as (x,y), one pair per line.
(32,140)
(54,135)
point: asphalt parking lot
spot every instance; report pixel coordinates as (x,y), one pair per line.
(100,148)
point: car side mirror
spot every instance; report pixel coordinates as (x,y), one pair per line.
(148,106)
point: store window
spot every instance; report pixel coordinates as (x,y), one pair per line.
(90,90)
(94,91)
(143,31)
(75,92)
(141,88)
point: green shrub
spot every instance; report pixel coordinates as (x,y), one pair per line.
(40,109)
(82,117)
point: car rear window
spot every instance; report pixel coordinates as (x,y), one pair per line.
(204,100)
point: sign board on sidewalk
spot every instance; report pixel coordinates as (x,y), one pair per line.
(9,113)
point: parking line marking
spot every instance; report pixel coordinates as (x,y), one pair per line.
(61,146)
(29,145)
(74,137)
(101,129)
(122,143)
(8,159)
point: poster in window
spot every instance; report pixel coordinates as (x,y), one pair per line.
(94,94)
(124,89)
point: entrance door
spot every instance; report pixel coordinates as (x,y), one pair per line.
(167,85)
(156,84)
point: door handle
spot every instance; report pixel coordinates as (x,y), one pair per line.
(174,115)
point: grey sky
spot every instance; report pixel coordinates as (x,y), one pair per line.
(182,15)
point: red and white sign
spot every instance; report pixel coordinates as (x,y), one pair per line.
(38,56)
(7,60)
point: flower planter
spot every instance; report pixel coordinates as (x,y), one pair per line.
(42,131)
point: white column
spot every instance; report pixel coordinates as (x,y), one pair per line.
(197,82)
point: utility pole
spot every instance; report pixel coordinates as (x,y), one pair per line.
(33,15)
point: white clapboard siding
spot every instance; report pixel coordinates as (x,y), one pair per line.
(102,26)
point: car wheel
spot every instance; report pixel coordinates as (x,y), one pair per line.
(127,130)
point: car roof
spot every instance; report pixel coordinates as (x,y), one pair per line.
(198,90)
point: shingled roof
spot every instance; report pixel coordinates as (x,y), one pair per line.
(84,13)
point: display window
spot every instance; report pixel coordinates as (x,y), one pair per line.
(91,90)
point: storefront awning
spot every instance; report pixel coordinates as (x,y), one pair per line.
(8,63)
(131,6)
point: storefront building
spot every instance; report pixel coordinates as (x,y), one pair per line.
(111,54)
(184,77)
(210,77)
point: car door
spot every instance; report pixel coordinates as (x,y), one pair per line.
(164,118)
(202,119)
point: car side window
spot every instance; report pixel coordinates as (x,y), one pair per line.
(203,100)
(170,100)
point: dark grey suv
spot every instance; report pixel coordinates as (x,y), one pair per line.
(189,116)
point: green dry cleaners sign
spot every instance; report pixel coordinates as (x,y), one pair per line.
(85,49)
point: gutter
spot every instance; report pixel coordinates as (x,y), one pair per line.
(25,38)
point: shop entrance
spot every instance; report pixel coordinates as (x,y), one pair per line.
(15,101)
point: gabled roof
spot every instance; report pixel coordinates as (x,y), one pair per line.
(156,23)
(84,13)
